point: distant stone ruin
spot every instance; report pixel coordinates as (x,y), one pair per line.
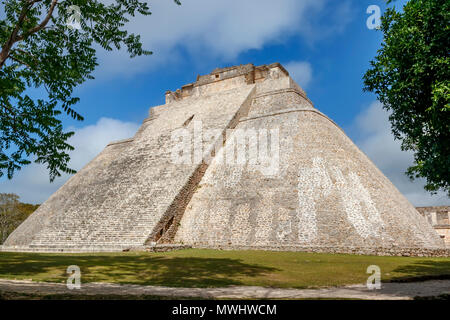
(239,159)
(439,219)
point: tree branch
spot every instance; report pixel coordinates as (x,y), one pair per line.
(12,38)
(24,52)
(21,62)
(42,24)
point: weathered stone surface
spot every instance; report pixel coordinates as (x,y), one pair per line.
(326,193)
(119,198)
(317,193)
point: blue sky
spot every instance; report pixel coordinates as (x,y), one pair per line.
(337,44)
(324,44)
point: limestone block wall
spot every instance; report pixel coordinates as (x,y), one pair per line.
(439,215)
(444,232)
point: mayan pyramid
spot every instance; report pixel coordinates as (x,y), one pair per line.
(239,159)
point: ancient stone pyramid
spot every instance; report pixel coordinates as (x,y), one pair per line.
(296,183)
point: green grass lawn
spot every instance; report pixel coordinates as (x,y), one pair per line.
(215,268)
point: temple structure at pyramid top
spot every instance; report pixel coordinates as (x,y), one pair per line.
(238,159)
(232,77)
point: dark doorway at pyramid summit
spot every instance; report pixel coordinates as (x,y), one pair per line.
(239,159)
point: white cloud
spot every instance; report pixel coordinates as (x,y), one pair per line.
(300,71)
(32,182)
(377,142)
(222,29)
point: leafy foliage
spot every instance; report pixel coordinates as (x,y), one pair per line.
(12,213)
(410,76)
(45,53)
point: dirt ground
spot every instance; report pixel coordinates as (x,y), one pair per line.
(388,291)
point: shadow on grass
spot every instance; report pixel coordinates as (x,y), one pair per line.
(422,271)
(142,269)
(7,295)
